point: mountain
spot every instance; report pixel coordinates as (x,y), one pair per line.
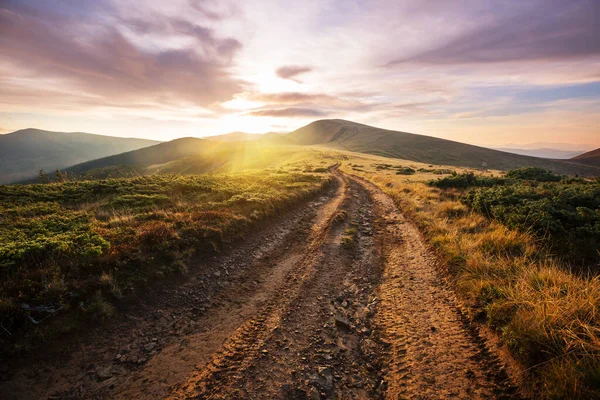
(589,158)
(352,136)
(23,153)
(550,145)
(279,137)
(192,155)
(235,137)
(556,154)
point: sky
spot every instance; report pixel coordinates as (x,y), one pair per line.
(483,71)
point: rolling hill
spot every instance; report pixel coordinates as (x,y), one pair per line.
(193,155)
(23,153)
(351,136)
(589,158)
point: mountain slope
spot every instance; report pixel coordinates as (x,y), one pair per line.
(589,158)
(550,153)
(23,153)
(361,138)
(236,137)
(191,156)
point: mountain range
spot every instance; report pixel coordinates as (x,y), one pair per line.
(542,152)
(23,153)
(107,156)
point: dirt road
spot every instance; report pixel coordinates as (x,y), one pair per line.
(338,299)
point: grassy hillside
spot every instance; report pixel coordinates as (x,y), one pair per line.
(23,153)
(195,156)
(78,247)
(360,138)
(589,158)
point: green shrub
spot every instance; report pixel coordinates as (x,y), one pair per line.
(566,217)
(533,174)
(405,171)
(464,181)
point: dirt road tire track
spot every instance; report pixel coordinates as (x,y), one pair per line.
(432,352)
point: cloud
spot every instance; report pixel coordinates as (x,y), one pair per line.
(313,100)
(290,112)
(113,58)
(551,30)
(291,71)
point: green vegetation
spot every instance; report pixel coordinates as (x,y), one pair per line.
(562,213)
(564,216)
(77,246)
(533,174)
(436,171)
(348,239)
(405,171)
(467,180)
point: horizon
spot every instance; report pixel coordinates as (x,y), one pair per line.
(202,68)
(506,147)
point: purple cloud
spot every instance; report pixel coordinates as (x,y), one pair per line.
(291,71)
(288,112)
(95,56)
(551,30)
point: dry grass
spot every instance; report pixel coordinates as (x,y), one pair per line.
(548,317)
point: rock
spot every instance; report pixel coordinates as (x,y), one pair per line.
(104,374)
(313,394)
(356,381)
(150,346)
(327,382)
(342,324)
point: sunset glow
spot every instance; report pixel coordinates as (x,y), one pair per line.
(481,72)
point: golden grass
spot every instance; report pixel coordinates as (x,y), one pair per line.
(548,317)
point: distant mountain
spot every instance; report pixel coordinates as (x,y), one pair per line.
(589,158)
(347,135)
(23,153)
(556,154)
(550,145)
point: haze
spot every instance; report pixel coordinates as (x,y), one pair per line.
(482,72)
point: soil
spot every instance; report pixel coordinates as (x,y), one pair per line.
(340,298)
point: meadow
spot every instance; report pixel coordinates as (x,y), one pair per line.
(79,246)
(521,250)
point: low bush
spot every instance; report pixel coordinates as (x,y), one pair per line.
(405,171)
(464,181)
